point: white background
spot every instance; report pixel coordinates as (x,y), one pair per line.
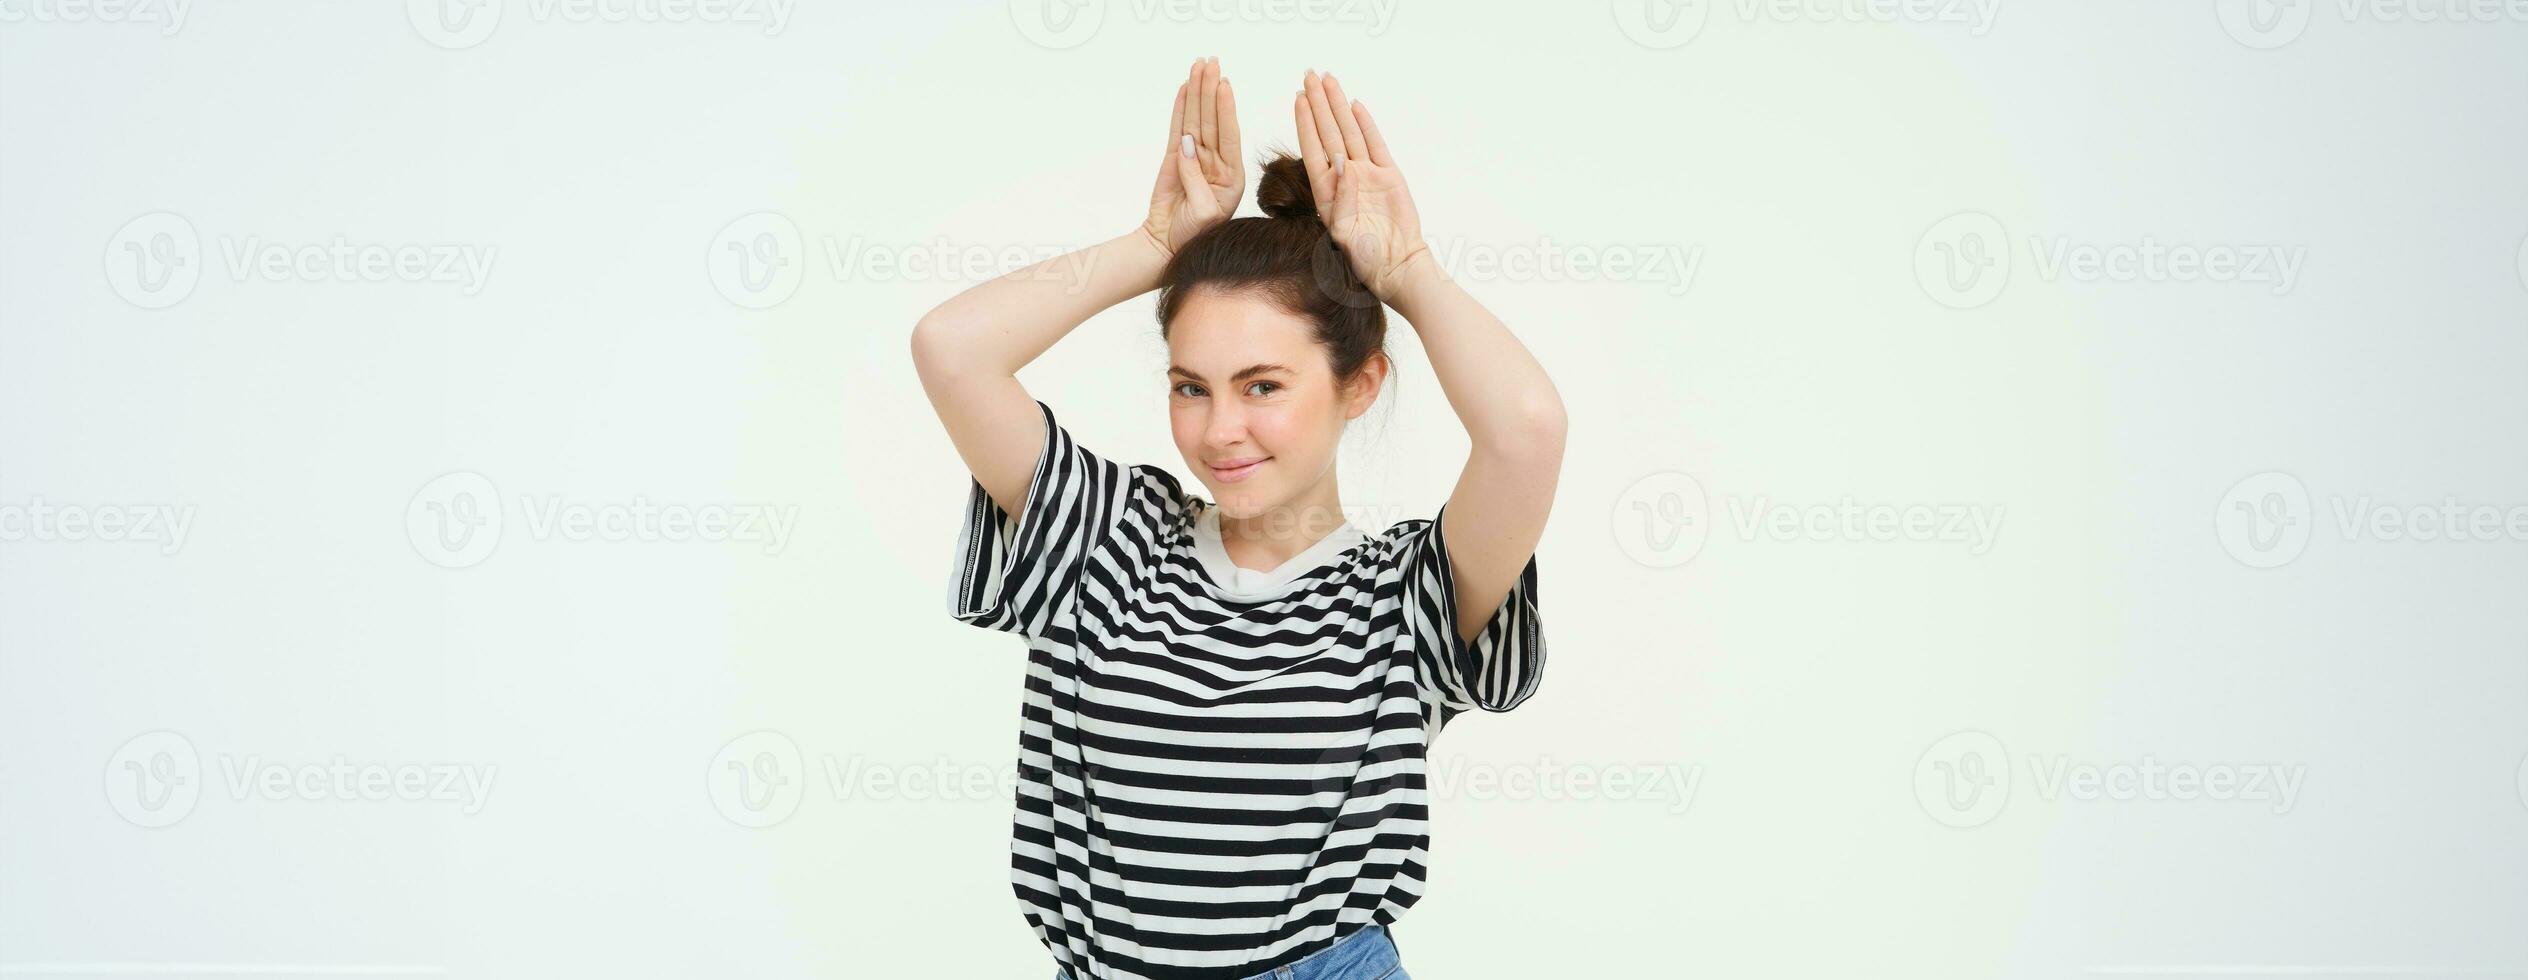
(2152,599)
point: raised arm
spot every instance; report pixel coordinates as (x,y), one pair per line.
(968,350)
(1510,409)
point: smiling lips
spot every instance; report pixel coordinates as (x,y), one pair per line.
(1237,469)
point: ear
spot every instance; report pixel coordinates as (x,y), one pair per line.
(1362,391)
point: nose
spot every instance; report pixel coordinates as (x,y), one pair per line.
(1224,428)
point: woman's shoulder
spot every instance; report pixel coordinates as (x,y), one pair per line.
(1402,536)
(1157,497)
(1406,529)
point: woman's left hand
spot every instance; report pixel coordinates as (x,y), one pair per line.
(1360,193)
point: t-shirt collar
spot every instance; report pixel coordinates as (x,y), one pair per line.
(1248,582)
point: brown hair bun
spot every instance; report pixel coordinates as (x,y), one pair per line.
(1283,192)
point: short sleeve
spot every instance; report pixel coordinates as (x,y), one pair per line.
(1014,573)
(1507,659)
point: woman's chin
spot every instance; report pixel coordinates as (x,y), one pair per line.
(1236,503)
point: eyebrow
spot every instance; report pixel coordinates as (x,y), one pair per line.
(1252,370)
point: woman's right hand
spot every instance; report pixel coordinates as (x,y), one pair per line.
(1203,175)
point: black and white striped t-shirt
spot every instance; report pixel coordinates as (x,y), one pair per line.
(1213,782)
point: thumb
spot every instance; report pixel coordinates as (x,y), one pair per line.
(1167,168)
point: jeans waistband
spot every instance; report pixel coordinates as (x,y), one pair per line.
(1365,953)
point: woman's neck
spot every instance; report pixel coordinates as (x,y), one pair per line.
(1265,541)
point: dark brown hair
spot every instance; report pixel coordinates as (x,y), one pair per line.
(1288,257)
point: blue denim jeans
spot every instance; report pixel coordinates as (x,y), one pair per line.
(1366,953)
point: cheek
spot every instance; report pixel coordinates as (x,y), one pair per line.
(1292,435)
(1185,426)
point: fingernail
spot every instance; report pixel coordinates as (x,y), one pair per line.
(1188,144)
(1338,166)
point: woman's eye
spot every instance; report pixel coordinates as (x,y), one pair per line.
(1263,384)
(1195,392)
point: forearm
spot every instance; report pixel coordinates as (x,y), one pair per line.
(1499,391)
(1005,322)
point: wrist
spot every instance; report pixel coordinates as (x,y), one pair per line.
(1415,279)
(1147,254)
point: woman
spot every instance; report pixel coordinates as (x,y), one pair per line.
(1221,750)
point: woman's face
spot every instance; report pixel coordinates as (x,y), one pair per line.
(1251,401)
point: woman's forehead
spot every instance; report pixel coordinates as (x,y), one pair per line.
(1223,333)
